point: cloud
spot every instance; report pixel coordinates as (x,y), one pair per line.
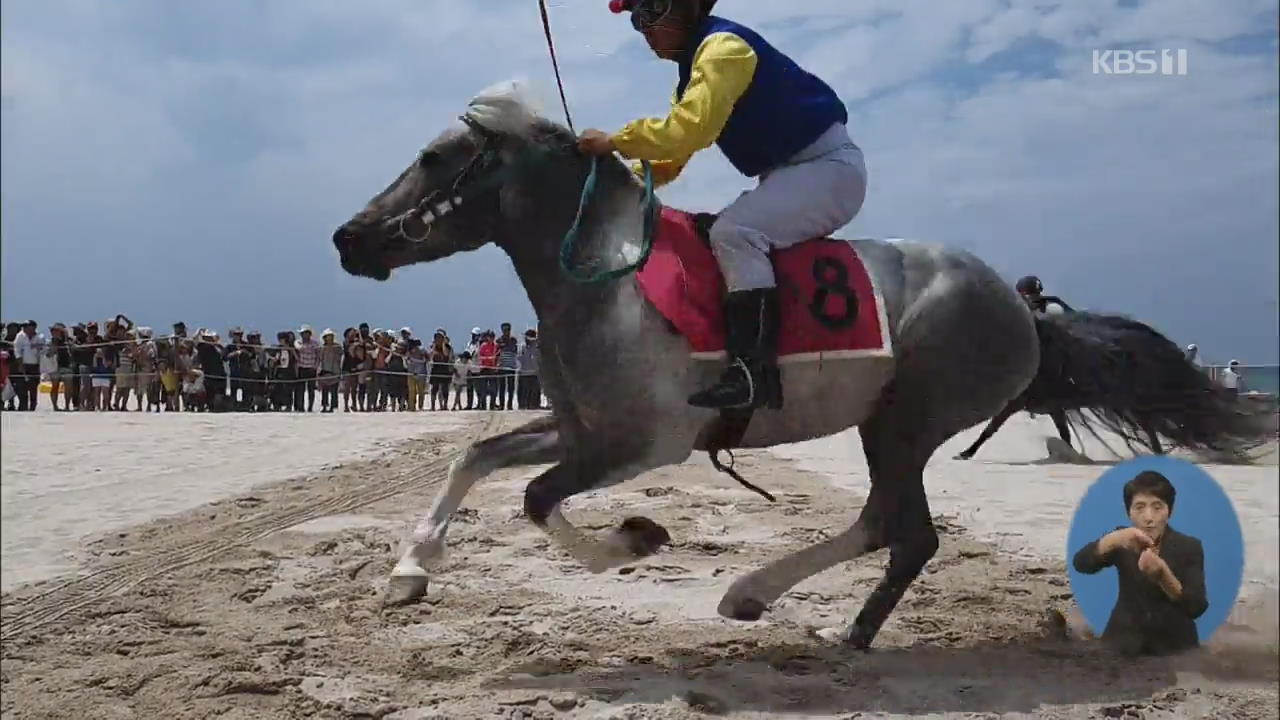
(190,160)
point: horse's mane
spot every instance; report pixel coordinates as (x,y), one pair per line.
(513,107)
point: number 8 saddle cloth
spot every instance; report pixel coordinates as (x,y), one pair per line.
(831,307)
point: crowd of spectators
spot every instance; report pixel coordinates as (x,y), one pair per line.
(89,367)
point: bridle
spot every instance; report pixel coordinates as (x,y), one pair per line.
(440,202)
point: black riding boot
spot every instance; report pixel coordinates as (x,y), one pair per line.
(751,339)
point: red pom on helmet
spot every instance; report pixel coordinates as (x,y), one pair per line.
(617,6)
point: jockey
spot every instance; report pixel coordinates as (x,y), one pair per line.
(1030,288)
(773,121)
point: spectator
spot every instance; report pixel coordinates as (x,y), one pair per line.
(195,391)
(353,381)
(253,369)
(417,368)
(102,375)
(330,366)
(82,359)
(530,388)
(398,377)
(112,343)
(508,351)
(308,370)
(1232,380)
(95,341)
(1192,354)
(237,356)
(488,356)
(27,348)
(462,369)
(7,392)
(63,376)
(441,370)
(11,331)
(283,372)
(379,352)
(473,352)
(170,384)
(185,364)
(213,372)
(126,370)
(145,361)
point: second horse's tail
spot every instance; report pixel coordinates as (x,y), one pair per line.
(1133,380)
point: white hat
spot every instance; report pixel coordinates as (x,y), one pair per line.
(144,331)
(1233,363)
(476,331)
(304,328)
(327,332)
(1192,346)
(406,331)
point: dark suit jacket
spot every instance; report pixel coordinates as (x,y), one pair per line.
(1144,619)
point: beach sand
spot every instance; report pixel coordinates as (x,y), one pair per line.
(191,566)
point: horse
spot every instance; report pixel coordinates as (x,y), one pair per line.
(618,376)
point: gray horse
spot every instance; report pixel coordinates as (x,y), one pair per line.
(965,345)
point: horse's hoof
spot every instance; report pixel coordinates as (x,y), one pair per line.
(642,537)
(962,456)
(405,589)
(744,610)
(859,637)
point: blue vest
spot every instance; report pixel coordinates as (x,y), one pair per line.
(782,112)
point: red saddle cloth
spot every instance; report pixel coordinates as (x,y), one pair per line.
(830,306)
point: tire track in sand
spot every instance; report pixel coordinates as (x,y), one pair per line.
(22,617)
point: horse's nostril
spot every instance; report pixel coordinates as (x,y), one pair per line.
(344,239)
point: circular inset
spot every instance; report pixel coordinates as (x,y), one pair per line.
(1153,576)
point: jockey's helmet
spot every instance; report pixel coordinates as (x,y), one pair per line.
(1030,285)
(646,13)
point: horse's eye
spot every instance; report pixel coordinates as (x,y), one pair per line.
(428,158)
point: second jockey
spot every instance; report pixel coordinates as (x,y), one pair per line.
(773,121)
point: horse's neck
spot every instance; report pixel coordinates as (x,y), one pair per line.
(610,233)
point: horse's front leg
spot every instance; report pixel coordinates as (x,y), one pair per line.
(635,538)
(534,443)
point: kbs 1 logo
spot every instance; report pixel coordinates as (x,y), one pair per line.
(1140,62)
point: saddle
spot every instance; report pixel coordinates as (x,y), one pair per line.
(830,308)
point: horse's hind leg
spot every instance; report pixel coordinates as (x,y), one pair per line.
(752,594)
(1153,439)
(897,465)
(1064,428)
(991,429)
(534,443)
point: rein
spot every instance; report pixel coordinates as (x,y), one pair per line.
(568,246)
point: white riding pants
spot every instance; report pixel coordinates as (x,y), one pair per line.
(811,195)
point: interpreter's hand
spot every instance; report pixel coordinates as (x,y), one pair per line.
(595,142)
(1151,564)
(1130,538)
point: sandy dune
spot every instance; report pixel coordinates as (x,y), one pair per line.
(224,575)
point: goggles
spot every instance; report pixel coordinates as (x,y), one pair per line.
(644,13)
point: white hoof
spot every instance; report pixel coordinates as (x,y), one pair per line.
(834,636)
(406,586)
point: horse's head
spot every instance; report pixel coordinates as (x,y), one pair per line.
(451,197)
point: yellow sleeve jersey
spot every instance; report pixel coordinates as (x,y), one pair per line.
(722,68)
(741,93)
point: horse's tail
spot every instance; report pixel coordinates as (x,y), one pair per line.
(1134,380)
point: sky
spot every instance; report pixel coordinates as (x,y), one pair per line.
(190,160)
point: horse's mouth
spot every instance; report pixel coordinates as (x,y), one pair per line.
(365,268)
(357,258)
